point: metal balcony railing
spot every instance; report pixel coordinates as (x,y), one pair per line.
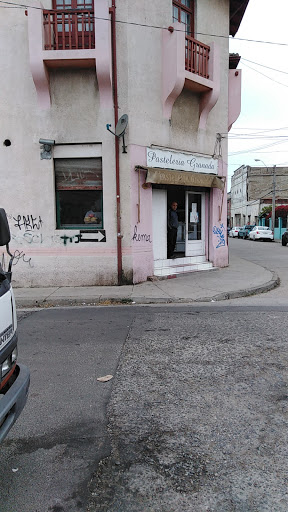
(69,29)
(196,57)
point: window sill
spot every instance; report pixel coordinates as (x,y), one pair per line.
(80,226)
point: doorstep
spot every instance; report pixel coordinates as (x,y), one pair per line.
(176,266)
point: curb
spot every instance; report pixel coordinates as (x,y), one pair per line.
(256,290)
(124,301)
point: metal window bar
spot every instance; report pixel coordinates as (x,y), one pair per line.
(68,29)
(196,57)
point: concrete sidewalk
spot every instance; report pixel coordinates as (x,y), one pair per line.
(240,279)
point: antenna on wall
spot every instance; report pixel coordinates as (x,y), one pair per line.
(120,130)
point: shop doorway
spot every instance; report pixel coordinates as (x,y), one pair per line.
(191,215)
(178,195)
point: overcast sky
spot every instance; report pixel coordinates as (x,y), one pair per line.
(264,111)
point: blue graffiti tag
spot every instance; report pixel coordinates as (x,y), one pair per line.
(220,232)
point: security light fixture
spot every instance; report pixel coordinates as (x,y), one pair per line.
(46,147)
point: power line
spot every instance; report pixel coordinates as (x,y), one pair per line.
(256,149)
(259,129)
(253,137)
(25,6)
(232,135)
(269,78)
(252,201)
(262,65)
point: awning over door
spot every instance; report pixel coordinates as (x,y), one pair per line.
(192,179)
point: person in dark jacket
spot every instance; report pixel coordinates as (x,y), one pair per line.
(172,226)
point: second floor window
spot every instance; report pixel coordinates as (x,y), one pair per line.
(183,12)
(72,4)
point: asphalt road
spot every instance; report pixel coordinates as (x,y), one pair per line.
(198,414)
(48,458)
(272,256)
(196,411)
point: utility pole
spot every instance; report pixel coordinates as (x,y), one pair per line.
(273,198)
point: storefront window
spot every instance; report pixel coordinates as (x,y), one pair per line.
(79,193)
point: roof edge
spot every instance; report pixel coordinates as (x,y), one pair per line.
(237,10)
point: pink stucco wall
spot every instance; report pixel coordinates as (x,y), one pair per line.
(234,96)
(141,232)
(100,57)
(175,76)
(218,249)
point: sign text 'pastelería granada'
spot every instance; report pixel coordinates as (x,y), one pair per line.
(181,161)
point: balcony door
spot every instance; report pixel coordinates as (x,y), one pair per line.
(183,12)
(74,26)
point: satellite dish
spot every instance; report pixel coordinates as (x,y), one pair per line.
(120,130)
(121,125)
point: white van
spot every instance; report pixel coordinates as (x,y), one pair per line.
(14,378)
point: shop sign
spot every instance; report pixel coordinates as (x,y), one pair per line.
(165,159)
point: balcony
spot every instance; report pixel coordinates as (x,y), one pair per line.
(196,57)
(69,29)
(70,38)
(191,64)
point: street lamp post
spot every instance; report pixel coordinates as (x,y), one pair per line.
(273,197)
(273,192)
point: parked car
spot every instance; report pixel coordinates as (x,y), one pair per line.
(234,231)
(244,231)
(261,233)
(285,238)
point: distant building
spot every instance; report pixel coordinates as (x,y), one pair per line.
(228,209)
(252,190)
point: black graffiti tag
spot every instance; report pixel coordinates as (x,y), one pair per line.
(20,255)
(28,222)
(137,237)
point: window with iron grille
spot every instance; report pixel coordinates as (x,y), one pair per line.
(79,193)
(183,12)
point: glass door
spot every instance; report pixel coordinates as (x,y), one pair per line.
(195,224)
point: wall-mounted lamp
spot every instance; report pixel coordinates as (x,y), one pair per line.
(46,153)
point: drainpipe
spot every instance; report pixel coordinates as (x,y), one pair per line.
(112,11)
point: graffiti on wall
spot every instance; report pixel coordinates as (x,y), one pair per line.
(220,233)
(21,256)
(17,256)
(95,235)
(27,230)
(140,237)
(27,238)
(28,222)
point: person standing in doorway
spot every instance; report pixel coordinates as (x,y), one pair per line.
(172,226)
